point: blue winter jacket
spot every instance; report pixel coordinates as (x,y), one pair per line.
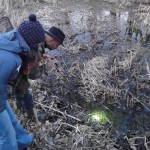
(11,43)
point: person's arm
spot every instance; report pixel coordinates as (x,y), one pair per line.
(5,72)
(8,69)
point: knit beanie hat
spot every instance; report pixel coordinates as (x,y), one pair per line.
(32,31)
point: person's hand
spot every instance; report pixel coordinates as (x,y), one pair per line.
(50,61)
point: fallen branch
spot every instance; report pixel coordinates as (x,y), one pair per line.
(64,114)
(70,126)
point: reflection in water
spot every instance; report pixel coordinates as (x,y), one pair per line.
(82,23)
(91,18)
(121,21)
(81,20)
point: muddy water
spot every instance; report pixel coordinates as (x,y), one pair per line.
(103,23)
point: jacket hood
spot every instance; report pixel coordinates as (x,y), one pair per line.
(13,42)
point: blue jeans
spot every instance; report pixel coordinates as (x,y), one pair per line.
(26,102)
(12,135)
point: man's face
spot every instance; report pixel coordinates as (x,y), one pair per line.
(51,42)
